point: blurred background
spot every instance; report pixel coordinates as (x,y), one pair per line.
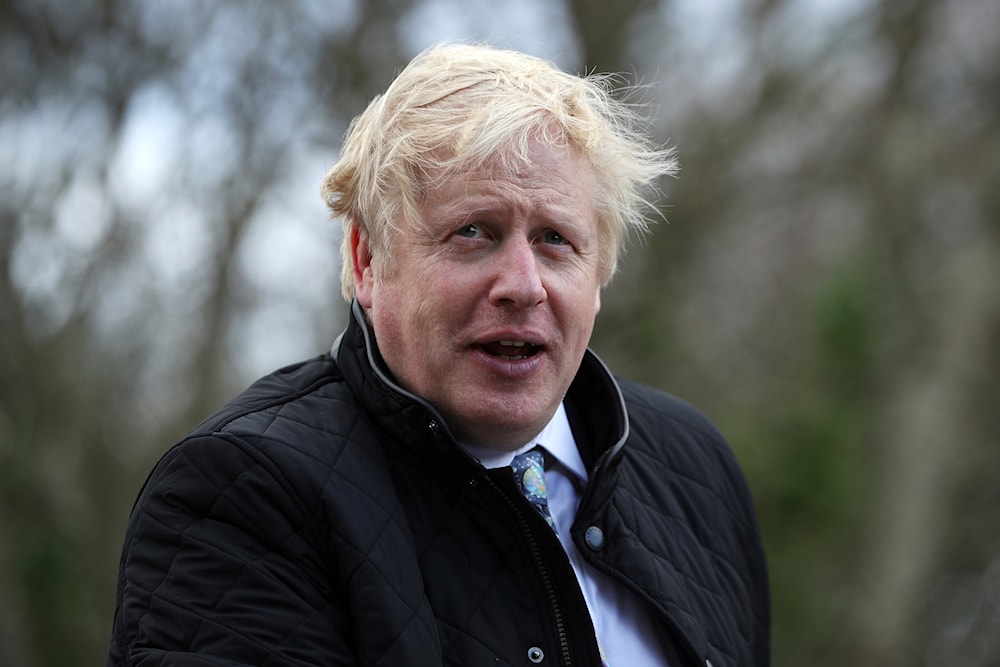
(825,285)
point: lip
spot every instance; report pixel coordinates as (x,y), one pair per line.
(510,368)
(528,337)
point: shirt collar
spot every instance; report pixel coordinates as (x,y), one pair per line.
(557,439)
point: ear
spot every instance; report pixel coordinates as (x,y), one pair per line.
(597,302)
(361,260)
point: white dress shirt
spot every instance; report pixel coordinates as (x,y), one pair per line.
(623,624)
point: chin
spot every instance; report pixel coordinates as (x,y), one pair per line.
(489,431)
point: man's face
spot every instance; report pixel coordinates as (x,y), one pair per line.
(488,304)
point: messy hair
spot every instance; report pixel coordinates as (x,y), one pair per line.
(457,108)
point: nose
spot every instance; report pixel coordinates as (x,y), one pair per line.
(517,280)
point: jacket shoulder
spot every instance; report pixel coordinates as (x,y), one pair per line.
(288,430)
(283,387)
(282,496)
(665,409)
(678,461)
(674,436)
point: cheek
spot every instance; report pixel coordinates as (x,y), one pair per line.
(588,305)
(407,315)
(581,293)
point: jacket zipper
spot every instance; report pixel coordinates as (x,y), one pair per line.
(550,590)
(543,569)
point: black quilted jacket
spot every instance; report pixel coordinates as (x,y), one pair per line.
(325,517)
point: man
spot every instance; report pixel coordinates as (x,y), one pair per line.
(362,508)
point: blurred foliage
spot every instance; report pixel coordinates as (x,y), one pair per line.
(825,285)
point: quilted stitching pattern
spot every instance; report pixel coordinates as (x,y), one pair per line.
(688,531)
(281,533)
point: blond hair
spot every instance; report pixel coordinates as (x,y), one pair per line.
(460,107)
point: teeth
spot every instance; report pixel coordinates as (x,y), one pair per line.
(512,343)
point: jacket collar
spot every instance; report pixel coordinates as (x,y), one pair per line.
(594,402)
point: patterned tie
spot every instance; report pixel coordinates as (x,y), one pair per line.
(529,473)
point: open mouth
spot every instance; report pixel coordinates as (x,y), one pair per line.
(511,350)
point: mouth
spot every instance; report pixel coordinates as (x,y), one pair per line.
(510,350)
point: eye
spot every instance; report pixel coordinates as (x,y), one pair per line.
(469,231)
(554,238)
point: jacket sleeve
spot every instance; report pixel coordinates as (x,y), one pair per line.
(223,564)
